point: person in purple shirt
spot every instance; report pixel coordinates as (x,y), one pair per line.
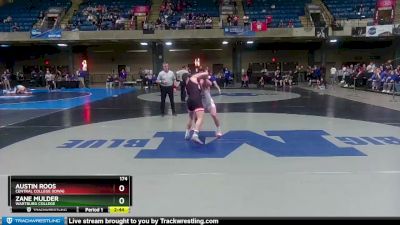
(122,77)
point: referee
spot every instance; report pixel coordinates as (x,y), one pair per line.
(166,79)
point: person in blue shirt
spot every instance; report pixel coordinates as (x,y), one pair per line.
(227,75)
(376,79)
(397,78)
(213,79)
(317,73)
(389,81)
(123,75)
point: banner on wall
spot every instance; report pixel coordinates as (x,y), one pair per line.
(48,34)
(259,26)
(141,10)
(379,31)
(386,4)
(238,31)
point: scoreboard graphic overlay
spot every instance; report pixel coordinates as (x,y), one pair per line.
(73,194)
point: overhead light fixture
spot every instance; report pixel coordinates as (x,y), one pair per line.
(144,43)
(212,49)
(179,50)
(225,42)
(168,43)
(4,46)
(62,45)
(333,40)
(250,42)
(136,51)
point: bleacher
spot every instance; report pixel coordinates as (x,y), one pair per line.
(350,9)
(26,13)
(208,7)
(280,10)
(123,6)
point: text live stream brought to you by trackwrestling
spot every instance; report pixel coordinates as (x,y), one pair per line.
(105,220)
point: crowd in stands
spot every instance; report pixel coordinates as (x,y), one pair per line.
(277,77)
(100,17)
(40,78)
(180,14)
(106,15)
(283,13)
(232,20)
(372,76)
(21,15)
(173,15)
(383,78)
(353,9)
(37,77)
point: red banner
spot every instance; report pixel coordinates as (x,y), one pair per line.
(386,3)
(259,26)
(141,10)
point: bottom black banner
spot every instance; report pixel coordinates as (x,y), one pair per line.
(138,221)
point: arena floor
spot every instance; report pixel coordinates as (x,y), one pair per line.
(293,152)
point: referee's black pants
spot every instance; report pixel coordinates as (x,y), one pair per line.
(170,91)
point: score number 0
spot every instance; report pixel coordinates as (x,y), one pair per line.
(121,188)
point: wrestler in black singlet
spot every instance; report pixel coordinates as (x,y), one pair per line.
(194,97)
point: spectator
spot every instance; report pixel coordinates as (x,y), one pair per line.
(388,83)
(376,79)
(246,21)
(109,81)
(208,23)
(290,24)
(235,20)
(261,82)
(8,19)
(41,15)
(5,78)
(249,72)
(348,75)
(229,20)
(278,78)
(15,27)
(123,75)
(149,78)
(183,21)
(245,80)
(227,75)
(281,24)
(50,83)
(333,74)
(20,77)
(288,79)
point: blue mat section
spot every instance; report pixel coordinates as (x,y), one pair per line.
(62,99)
(41,96)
